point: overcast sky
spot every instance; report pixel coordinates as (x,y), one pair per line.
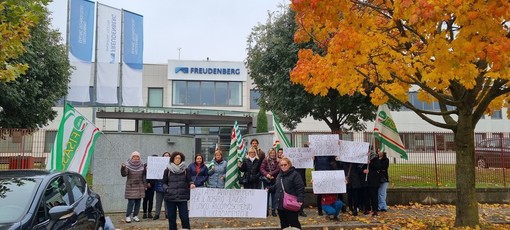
(217,29)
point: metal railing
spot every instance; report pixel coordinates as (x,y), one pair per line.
(431,155)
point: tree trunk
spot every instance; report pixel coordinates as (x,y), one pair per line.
(467,202)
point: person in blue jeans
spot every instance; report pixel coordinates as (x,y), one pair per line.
(383,173)
(331,205)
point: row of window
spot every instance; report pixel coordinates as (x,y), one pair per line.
(216,93)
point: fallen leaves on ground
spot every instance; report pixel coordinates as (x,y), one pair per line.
(412,216)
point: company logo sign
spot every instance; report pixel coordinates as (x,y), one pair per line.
(214,71)
(182,69)
(113,38)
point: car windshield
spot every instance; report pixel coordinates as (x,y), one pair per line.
(15,196)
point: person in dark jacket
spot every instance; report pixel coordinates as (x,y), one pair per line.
(322,163)
(269,169)
(383,173)
(251,168)
(255,145)
(148,200)
(354,187)
(198,170)
(371,183)
(177,184)
(290,180)
(134,170)
(217,171)
(160,192)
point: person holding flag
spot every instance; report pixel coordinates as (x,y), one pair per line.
(217,171)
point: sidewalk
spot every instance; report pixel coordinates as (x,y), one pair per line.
(414,216)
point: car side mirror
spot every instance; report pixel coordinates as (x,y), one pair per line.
(59,213)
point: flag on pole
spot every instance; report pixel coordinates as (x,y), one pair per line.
(279,138)
(74,144)
(241,146)
(232,175)
(386,132)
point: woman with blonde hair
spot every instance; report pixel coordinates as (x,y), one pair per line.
(217,171)
(290,181)
(251,168)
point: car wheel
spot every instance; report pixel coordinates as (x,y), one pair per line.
(481,163)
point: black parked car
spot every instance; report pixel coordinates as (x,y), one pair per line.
(38,199)
(493,152)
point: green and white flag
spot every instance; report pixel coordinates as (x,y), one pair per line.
(386,132)
(74,143)
(232,175)
(279,138)
(241,144)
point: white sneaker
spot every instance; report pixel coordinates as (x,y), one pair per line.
(136,219)
(128,219)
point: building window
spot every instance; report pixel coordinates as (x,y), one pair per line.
(207,93)
(155,97)
(497,115)
(254,97)
(49,139)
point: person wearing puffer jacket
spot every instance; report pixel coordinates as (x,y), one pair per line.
(198,170)
(217,171)
(160,193)
(177,184)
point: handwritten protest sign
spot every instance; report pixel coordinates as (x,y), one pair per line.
(156,166)
(300,157)
(325,182)
(324,145)
(355,152)
(212,202)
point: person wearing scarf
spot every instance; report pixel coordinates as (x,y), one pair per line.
(217,171)
(177,184)
(134,171)
(199,171)
(269,169)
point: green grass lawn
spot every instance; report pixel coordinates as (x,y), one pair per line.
(424,175)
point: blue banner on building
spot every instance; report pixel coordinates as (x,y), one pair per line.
(81,34)
(132,59)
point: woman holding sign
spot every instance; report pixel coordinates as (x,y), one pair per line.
(288,181)
(160,193)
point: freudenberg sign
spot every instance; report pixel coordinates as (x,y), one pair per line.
(207,70)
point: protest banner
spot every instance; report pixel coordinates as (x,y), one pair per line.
(324,145)
(354,152)
(326,182)
(300,157)
(156,166)
(213,202)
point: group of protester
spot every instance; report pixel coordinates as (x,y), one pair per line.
(366,188)
(366,185)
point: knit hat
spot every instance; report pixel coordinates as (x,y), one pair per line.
(135,153)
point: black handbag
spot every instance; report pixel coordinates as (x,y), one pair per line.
(265,179)
(243,180)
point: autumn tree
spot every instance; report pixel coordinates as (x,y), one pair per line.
(27,101)
(456,52)
(16,20)
(272,53)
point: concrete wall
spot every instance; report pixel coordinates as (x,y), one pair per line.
(114,148)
